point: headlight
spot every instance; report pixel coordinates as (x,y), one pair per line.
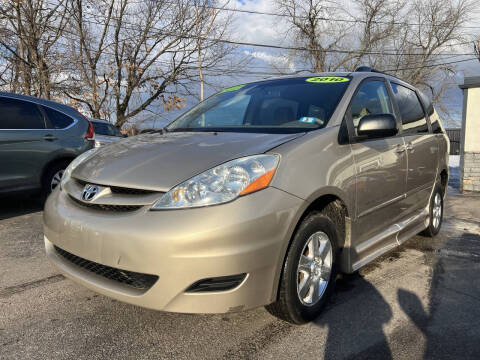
(77,161)
(221,184)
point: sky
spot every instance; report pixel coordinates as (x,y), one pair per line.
(271,30)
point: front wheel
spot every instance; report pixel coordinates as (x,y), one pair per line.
(53,176)
(435,213)
(309,272)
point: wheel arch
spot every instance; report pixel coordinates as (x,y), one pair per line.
(59,159)
(444,181)
(340,214)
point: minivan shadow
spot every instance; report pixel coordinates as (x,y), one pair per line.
(450,323)
(355,317)
(20,204)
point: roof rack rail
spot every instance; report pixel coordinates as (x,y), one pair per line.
(363,69)
(369,69)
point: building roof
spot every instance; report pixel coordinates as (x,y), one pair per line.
(470,82)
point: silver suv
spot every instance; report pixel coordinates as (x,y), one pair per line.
(259,195)
(38,139)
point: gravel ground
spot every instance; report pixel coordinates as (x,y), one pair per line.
(419,301)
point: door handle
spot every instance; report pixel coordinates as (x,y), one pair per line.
(410,147)
(49,137)
(400,149)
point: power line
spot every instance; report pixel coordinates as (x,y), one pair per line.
(432,65)
(188,36)
(286,73)
(275,73)
(321,18)
(330,19)
(280,47)
(270,46)
(266,73)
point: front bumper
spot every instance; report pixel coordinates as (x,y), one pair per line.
(249,235)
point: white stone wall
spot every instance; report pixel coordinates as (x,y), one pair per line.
(470,148)
(470,172)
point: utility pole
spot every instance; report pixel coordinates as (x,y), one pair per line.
(476,47)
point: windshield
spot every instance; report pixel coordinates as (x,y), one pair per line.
(278,106)
(105,129)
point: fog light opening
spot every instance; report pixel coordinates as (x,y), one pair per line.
(222,283)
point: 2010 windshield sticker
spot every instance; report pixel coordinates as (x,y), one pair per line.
(327,79)
(233,88)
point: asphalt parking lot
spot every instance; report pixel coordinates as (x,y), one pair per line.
(420,301)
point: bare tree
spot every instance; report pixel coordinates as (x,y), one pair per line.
(158,47)
(311,31)
(113,58)
(321,27)
(33,29)
(376,23)
(149,56)
(201,35)
(476,48)
(90,79)
(405,37)
(436,25)
(420,47)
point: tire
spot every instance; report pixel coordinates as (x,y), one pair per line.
(435,213)
(291,306)
(53,173)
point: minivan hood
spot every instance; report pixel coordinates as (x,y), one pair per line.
(161,161)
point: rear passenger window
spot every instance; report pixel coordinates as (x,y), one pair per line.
(371,98)
(57,119)
(18,114)
(413,117)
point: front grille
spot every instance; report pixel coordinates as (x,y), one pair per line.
(119,208)
(132,279)
(130,191)
(119,189)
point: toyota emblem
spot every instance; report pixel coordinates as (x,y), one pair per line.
(89,192)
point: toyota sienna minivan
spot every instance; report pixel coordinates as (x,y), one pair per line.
(259,195)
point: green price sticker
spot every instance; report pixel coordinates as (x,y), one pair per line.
(233,88)
(327,79)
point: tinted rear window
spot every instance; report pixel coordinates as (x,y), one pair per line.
(57,119)
(413,116)
(280,106)
(18,114)
(105,129)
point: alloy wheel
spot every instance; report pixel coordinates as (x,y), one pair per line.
(56,179)
(314,268)
(437,210)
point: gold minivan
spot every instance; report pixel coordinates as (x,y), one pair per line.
(257,196)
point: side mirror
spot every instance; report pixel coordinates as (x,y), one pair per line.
(377,125)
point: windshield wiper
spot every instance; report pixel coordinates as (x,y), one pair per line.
(182,130)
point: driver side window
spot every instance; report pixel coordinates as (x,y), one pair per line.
(371,98)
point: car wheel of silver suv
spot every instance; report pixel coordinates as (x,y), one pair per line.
(435,213)
(309,272)
(52,176)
